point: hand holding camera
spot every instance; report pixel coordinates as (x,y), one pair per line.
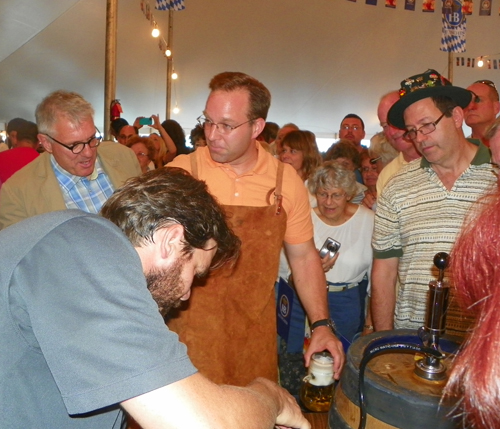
(329,253)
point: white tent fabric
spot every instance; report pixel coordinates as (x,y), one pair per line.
(321,59)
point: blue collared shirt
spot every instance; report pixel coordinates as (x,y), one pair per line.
(84,193)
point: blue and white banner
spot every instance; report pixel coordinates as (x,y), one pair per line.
(454,27)
(170,4)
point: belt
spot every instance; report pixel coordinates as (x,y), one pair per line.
(340,287)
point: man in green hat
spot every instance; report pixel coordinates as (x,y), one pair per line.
(422,207)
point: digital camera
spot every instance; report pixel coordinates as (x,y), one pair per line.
(330,246)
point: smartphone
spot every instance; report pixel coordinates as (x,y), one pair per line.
(330,246)
(146,121)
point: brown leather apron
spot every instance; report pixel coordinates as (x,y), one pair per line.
(229,322)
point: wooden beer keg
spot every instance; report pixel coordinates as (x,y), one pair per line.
(395,397)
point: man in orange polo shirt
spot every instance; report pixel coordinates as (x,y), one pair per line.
(230,324)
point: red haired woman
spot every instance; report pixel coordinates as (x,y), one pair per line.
(475,377)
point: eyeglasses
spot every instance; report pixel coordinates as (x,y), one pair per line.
(78,147)
(326,195)
(368,169)
(222,128)
(424,129)
(351,127)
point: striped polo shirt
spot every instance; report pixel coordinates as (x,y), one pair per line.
(418,217)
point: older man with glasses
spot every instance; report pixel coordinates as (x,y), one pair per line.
(422,207)
(483,109)
(76,171)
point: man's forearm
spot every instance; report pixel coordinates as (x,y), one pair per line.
(197,402)
(310,283)
(383,293)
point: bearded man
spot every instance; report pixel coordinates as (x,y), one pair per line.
(85,337)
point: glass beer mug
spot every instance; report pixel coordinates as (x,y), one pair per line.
(316,392)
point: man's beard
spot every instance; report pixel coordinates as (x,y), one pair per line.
(166,286)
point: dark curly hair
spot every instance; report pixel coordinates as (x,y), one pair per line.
(167,196)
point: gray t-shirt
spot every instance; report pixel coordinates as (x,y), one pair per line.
(79,331)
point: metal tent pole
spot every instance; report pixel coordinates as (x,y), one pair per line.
(110,63)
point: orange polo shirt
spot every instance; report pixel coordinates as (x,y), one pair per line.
(252,188)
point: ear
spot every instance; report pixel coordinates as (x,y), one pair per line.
(258,126)
(458,116)
(170,241)
(496,107)
(42,138)
(13,138)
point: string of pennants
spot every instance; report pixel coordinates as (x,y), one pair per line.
(471,62)
(430,5)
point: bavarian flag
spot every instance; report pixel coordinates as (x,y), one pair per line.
(170,4)
(454,27)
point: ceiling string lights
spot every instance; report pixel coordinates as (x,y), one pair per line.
(482,61)
(486,60)
(162,44)
(156,32)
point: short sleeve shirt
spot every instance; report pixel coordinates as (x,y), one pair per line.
(254,188)
(418,217)
(81,330)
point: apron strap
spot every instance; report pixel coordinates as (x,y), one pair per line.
(194,166)
(278,198)
(279,178)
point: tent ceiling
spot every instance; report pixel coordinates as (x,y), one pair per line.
(321,59)
(21,20)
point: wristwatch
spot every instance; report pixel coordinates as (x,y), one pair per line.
(323,322)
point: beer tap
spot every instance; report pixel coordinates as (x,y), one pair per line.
(431,367)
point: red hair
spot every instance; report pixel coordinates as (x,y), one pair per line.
(475,263)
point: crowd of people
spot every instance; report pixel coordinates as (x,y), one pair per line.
(89,340)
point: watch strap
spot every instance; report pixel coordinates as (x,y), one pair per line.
(323,322)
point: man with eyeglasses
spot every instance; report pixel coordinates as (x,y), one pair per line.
(352,128)
(76,171)
(422,207)
(483,108)
(230,323)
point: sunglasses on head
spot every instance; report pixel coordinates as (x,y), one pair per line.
(487,82)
